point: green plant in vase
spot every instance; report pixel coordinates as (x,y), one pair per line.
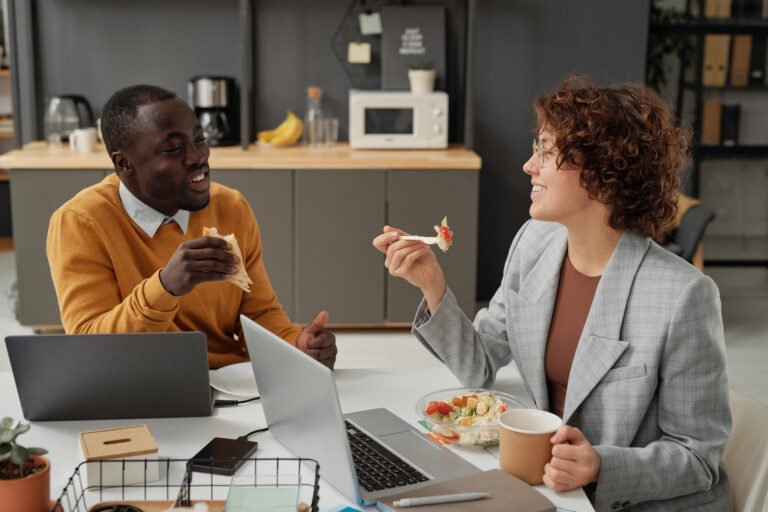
(15,459)
(24,473)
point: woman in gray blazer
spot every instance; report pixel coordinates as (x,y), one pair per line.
(620,337)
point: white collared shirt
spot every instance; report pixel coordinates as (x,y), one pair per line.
(147,217)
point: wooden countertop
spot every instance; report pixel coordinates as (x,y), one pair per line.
(40,155)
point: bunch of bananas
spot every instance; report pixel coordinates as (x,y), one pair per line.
(286,133)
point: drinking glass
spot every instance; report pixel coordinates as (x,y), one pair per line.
(330,131)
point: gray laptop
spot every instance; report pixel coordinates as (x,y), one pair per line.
(111,376)
(302,409)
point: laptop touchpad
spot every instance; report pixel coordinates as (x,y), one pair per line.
(428,455)
(378,422)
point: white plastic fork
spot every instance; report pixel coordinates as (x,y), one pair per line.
(429,240)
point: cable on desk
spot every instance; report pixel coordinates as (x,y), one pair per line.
(230,403)
(249,434)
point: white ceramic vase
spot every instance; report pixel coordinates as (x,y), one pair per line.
(422,80)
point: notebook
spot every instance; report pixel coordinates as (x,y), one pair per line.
(506,493)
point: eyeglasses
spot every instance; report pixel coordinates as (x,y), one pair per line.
(546,156)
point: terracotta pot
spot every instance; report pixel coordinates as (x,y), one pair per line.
(31,493)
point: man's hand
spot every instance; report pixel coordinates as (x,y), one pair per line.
(197,261)
(317,342)
(574,462)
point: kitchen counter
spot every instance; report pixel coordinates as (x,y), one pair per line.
(40,155)
(301,196)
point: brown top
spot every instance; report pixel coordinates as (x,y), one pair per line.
(574,298)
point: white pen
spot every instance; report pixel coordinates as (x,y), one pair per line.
(435,500)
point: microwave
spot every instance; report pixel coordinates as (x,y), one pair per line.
(398,120)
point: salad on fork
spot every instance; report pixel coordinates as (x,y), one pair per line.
(444,238)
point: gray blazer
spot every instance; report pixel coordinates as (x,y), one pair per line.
(648,384)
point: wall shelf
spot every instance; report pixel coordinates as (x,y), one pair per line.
(721,152)
(735,251)
(761,88)
(714,26)
(738,250)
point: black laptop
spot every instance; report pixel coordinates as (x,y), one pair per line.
(111,376)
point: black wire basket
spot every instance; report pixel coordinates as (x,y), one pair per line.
(178,484)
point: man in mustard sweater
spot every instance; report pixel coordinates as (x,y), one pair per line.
(127,255)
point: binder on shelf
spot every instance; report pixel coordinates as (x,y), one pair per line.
(711,8)
(724,8)
(717,8)
(757,59)
(740,50)
(710,123)
(729,129)
(716,49)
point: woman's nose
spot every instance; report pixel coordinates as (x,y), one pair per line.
(529,167)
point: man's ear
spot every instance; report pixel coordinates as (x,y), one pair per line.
(122,163)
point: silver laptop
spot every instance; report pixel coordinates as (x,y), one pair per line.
(111,376)
(366,455)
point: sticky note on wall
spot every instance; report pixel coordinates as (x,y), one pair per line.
(370,24)
(359,53)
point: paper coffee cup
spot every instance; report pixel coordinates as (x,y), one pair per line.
(524,445)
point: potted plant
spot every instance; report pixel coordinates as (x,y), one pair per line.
(422,77)
(24,474)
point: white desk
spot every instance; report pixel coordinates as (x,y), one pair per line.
(395,389)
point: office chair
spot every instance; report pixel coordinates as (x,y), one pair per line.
(684,240)
(746,455)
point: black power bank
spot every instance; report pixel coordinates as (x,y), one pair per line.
(223,456)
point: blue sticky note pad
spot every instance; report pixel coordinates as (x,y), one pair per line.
(370,24)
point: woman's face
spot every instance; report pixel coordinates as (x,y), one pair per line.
(556,194)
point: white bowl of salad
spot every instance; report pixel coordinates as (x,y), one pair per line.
(467,416)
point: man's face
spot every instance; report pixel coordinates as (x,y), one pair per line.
(166,165)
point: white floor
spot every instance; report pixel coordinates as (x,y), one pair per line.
(744,293)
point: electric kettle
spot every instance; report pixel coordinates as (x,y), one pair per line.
(64,114)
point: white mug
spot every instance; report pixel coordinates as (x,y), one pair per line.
(83,140)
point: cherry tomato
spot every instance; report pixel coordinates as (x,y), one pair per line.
(503,408)
(444,408)
(431,407)
(446,233)
(447,434)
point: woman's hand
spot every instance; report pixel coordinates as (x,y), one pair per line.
(574,462)
(414,261)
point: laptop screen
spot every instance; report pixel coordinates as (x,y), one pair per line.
(111,376)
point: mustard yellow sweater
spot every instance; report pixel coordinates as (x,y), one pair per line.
(105,270)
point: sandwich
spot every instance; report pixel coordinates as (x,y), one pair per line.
(240,279)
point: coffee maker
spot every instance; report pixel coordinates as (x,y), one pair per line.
(214,99)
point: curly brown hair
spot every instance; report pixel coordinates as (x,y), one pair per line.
(627,143)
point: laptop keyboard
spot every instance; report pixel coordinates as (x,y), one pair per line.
(378,468)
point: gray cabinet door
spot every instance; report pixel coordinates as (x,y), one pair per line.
(417,201)
(270,195)
(35,195)
(337,269)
